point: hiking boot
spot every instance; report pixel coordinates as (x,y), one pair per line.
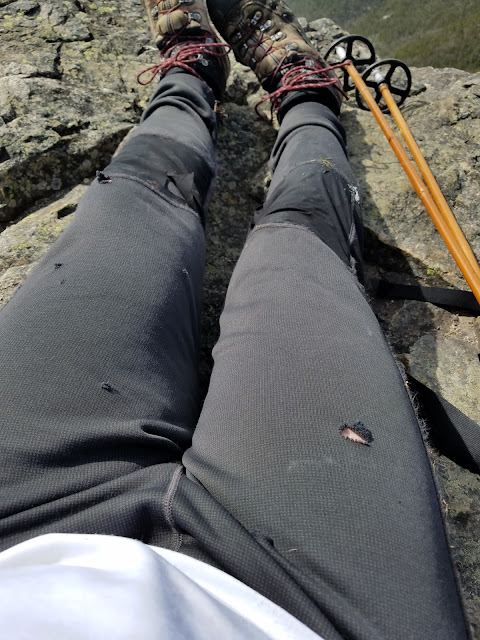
(186,39)
(266,36)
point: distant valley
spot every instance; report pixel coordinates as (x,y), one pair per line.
(437,33)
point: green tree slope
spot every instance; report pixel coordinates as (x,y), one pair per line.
(340,11)
(438,33)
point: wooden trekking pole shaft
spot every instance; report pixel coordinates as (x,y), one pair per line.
(432,184)
(459,256)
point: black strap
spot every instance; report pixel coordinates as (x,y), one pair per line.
(453,433)
(435,295)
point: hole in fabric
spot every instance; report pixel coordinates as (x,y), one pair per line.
(357,432)
(103,178)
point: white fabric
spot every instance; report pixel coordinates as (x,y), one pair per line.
(87,586)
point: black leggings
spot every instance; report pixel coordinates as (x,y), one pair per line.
(102,428)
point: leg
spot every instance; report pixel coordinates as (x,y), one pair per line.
(99,347)
(313,183)
(300,355)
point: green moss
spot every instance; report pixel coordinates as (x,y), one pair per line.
(20,247)
(47,33)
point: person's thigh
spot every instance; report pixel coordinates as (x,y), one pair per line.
(300,358)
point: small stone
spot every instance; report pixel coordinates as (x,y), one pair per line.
(303,23)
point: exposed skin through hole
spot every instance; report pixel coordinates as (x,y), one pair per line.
(357,432)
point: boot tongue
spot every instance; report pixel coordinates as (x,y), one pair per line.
(268,66)
(297,65)
(212,69)
(194,32)
(274,80)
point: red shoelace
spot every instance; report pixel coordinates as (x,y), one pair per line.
(297,78)
(183,51)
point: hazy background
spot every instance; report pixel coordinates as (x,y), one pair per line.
(437,33)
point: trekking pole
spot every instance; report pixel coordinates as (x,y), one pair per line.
(469,272)
(382,82)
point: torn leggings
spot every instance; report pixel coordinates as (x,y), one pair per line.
(102,425)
